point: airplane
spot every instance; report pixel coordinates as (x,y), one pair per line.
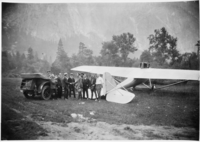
(117,92)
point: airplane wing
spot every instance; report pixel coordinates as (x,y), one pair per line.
(150,73)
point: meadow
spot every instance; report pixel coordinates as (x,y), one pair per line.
(169,108)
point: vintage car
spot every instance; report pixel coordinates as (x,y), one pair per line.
(36,84)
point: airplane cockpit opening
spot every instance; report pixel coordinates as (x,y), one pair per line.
(144,65)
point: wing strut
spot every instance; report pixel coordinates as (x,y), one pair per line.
(122,86)
(150,86)
(170,84)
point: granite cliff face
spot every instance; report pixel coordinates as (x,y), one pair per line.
(93,23)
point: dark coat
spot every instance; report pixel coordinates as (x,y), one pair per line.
(86,83)
(71,80)
(65,83)
(79,84)
(59,81)
(93,83)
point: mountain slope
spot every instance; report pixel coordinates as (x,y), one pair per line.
(93,23)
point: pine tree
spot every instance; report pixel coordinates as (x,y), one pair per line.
(18,60)
(23,57)
(62,61)
(61,54)
(30,53)
(198,47)
(60,49)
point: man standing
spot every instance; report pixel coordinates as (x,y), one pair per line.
(99,85)
(59,85)
(86,84)
(66,86)
(52,84)
(71,82)
(79,86)
(93,86)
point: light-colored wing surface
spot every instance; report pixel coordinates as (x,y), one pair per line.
(151,73)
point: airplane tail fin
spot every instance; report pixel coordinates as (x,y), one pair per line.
(109,82)
(113,91)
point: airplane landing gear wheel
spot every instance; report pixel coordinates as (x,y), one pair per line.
(153,87)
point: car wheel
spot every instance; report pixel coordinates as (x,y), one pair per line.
(46,95)
(28,94)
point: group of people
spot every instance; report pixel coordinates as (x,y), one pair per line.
(68,86)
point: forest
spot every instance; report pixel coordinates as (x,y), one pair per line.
(162,53)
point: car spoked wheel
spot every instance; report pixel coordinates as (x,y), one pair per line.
(28,94)
(46,95)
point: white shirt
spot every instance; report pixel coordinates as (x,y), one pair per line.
(99,80)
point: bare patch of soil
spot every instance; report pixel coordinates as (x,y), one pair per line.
(105,131)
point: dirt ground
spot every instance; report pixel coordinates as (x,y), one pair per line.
(170,114)
(105,131)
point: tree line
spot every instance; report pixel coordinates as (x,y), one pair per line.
(162,53)
(14,64)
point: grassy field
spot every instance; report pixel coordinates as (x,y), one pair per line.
(177,106)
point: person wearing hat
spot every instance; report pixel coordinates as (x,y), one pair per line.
(79,86)
(86,84)
(52,81)
(65,86)
(71,82)
(93,86)
(59,85)
(99,85)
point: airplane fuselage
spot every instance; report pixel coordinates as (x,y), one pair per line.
(135,82)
